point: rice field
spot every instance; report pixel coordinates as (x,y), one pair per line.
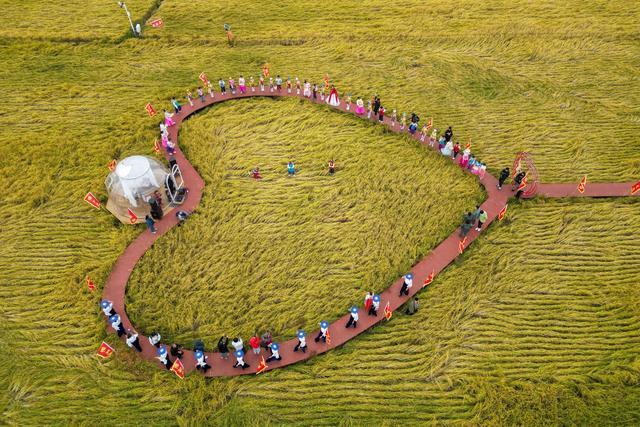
(537,324)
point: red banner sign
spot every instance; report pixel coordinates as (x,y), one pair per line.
(92,200)
(461,244)
(150,109)
(203,78)
(132,217)
(112,165)
(90,284)
(429,278)
(328,337)
(262,366)
(502,212)
(157,23)
(635,187)
(178,368)
(105,350)
(387,311)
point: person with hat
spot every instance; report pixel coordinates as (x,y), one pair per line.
(154,339)
(375,305)
(254,342)
(406,284)
(116,324)
(324,327)
(240,360)
(107,307)
(302,342)
(291,168)
(133,341)
(223,347)
(163,357)
(275,352)
(353,319)
(201,361)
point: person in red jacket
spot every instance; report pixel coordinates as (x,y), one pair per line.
(368,301)
(254,342)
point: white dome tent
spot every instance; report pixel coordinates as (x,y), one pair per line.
(134,182)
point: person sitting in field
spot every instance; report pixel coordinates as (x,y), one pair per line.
(332,167)
(413,306)
(291,168)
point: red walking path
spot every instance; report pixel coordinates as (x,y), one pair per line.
(436,261)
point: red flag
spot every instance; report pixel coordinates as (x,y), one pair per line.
(265,70)
(132,217)
(178,368)
(502,212)
(468,147)
(582,184)
(262,366)
(112,165)
(105,350)
(430,124)
(328,337)
(203,78)
(90,284)
(429,279)
(461,244)
(156,146)
(387,311)
(150,110)
(635,187)
(92,200)
(157,23)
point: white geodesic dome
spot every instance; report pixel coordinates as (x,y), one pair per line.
(134,180)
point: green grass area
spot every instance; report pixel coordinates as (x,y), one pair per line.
(287,252)
(537,324)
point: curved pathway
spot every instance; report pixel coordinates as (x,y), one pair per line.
(436,261)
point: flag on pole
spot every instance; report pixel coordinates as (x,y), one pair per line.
(582,184)
(203,78)
(178,368)
(502,212)
(92,200)
(157,23)
(112,165)
(635,187)
(262,366)
(387,311)
(156,146)
(328,337)
(461,244)
(429,278)
(90,284)
(468,147)
(105,350)
(132,217)
(150,109)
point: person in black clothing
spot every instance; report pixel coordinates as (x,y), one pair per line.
(517,180)
(376,104)
(448,134)
(467,223)
(223,347)
(156,210)
(504,174)
(414,118)
(176,351)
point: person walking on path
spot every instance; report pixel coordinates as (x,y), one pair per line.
(133,341)
(376,104)
(151,224)
(154,339)
(482,218)
(223,347)
(163,357)
(107,307)
(275,352)
(176,351)
(240,360)
(353,319)
(223,89)
(467,223)
(201,94)
(201,362)
(266,340)
(375,305)
(504,174)
(448,134)
(302,342)
(237,344)
(368,301)
(456,150)
(406,284)
(322,335)
(116,324)
(381,112)
(254,342)
(412,307)
(176,105)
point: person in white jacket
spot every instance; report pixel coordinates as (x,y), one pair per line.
(407,284)
(302,342)
(353,319)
